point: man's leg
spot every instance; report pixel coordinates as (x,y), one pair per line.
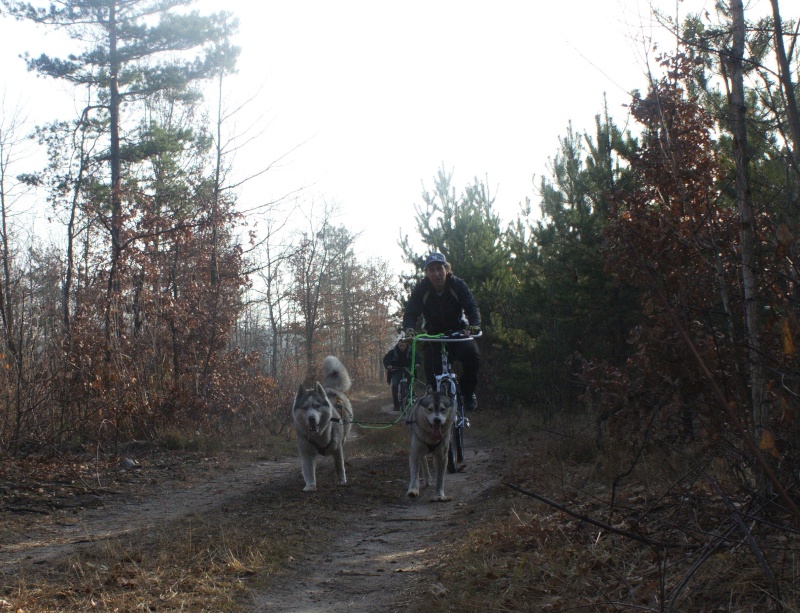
(432,362)
(469,356)
(396,375)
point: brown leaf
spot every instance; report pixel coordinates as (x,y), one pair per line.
(787,337)
(767,443)
(784,240)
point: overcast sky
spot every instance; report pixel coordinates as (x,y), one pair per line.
(363,101)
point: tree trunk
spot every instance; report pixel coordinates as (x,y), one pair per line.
(787,86)
(744,202)
(115,163)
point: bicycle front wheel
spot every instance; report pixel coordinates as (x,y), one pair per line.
(403,394)
(445,390)
(458,441)
(455,451)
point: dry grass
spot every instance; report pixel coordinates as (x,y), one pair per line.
(525,555)
(519,554)
(199,563)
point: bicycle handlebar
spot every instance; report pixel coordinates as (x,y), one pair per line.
(453,337)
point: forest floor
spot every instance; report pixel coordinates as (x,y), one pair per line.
(233,531)
(540,520)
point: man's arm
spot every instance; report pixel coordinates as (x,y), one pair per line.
(468,303)
(414,306)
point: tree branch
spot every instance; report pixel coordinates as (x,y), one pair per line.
(600,524)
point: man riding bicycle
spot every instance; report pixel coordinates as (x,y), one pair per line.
(395,361)
(444,301)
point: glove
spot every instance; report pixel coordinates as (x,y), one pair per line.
(410,333)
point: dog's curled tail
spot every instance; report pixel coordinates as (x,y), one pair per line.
(336,375)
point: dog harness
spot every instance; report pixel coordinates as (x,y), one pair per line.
(431,447)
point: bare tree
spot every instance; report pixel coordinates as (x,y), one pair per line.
(311,266)
(11,141)
(737,109)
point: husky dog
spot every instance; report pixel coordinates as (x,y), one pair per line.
(431,424)
(322,417)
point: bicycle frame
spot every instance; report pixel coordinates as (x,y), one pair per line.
(447,374)
(407,378)
(447,382)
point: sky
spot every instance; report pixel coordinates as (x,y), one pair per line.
(359,103)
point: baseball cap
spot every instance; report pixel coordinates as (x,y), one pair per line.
(435,258)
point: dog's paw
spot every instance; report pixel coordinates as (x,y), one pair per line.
(310,488)
(342,482)
(441,498)
(413,493)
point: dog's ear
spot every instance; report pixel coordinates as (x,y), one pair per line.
(428,389)
(320,389)
(300,392)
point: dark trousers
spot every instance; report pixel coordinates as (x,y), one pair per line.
(465,352)
(396,376)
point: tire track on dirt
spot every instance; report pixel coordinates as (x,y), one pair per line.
(170,501)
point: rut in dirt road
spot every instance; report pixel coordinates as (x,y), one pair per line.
(115,518)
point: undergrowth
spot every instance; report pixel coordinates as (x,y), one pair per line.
(568,525)
(578,527)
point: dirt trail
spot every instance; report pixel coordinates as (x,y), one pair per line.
(166,502)
(371,568)
(385,551)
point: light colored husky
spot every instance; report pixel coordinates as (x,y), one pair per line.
(322,417)
(431,424)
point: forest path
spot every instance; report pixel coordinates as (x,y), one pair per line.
(386,552)
(369,546)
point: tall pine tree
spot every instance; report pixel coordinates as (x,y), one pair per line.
(130,52)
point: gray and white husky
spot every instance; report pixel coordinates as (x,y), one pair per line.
(322,417)
(431,425)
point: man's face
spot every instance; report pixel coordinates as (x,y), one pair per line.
(436,275)
(402,346)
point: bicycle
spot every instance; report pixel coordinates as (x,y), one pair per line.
(447,383)
(405,393)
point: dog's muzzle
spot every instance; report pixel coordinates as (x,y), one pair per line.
(313,426)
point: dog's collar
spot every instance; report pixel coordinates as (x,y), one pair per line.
(432,447)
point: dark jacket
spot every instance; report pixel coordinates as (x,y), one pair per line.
(399,359)
(445,312)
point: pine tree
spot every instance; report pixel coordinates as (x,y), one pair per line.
(127,58)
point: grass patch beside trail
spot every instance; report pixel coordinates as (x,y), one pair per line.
(195,565)
(525,555)
(202,562)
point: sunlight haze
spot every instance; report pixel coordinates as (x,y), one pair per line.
(360,102)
